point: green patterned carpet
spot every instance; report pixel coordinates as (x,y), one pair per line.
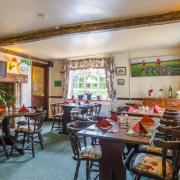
(53,163)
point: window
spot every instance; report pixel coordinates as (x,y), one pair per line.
(87,81)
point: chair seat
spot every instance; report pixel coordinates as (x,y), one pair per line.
(91,152)
(150,149)
(25,129)
(150,165)
(74,112)
(153,150)
(24,122)
(58,115)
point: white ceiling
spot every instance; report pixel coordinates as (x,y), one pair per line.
(17,16)
(103,42)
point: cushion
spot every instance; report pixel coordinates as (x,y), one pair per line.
(154,150)
(58,115)
(150,165)
(25,129)
(91,152)
(150,149)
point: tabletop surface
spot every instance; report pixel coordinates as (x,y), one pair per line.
(76,105)
(117,133)
(138,112)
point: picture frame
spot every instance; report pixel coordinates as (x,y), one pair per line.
(120,81)
(121,71)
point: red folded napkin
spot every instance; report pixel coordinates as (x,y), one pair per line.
(139,128)
(23,109)
(114,116)
(103,124)
(86,102)
(131,109)
(135,106)
(65,102)
(154,110)
(157,107)
(74,101)
(147,120)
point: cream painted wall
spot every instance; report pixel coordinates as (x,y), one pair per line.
(54,74)
(136,87)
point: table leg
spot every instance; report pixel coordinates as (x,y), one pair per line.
(111,164)
(66,120)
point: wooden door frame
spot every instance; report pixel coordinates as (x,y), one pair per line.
(46,76)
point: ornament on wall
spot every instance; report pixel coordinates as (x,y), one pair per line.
(12,66)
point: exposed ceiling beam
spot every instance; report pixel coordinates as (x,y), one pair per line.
(116,24)
(26,56)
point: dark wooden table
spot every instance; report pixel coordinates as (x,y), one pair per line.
(141,113)
(112,144)
(67,108)
(6,120)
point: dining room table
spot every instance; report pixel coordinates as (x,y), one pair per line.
(143,112)
(68,107)
(6,125)
(113,142)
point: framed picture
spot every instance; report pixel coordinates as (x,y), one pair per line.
(121,71)
(120,82)
(155,66)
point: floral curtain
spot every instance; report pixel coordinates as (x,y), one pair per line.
(105,62)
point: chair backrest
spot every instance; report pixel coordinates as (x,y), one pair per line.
(38,119)
(171,117)
(76,126)
(169,123)
(174,146)
(55,109)
(75,145)
(97,109)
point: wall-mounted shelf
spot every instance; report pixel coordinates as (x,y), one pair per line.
(14,78)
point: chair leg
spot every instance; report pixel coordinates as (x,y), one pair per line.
(77,170)
(4,147)
(41,137)
(59,122)
(24,140)
(12,149)
(52,126)
(32,141)
(40,140)
(87,171)
(137,177)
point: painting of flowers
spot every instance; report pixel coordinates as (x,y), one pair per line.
(155,66)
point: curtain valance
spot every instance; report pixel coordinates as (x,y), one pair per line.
(88,63)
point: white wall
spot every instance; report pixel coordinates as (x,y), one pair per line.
(26,89)
(137,87)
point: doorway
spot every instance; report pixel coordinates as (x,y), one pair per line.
(40,85)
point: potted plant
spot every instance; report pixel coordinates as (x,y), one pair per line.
(2,101)
(10,101)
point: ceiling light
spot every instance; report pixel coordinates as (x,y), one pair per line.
(42,15)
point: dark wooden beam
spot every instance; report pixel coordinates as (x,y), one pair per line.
(26,56)
(158,19)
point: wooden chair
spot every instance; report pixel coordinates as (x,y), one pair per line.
(3,145)
(32,131)
(91,113)
(171,120)
(57,117)
(157,167)
(91,153)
